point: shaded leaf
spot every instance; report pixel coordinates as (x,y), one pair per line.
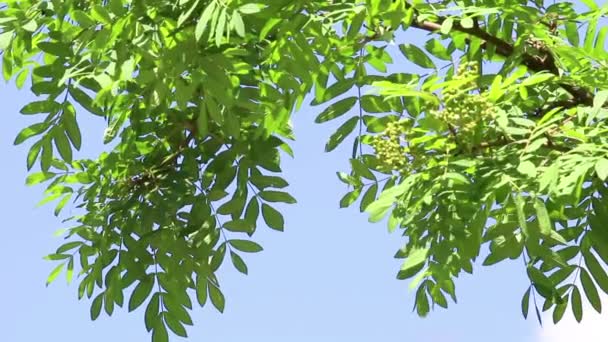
(597,271)
(368,197)
(272,217)
(95,310)
(175,325)
(30,131)
(141,292)
(217,297)
(590,290)
(416,55)
(336,109)
(201,290)
(341,133)
(577,305)
(525,302)
(246,246)
(277,196)
(238,262)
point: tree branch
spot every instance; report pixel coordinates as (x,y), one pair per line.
(536,63)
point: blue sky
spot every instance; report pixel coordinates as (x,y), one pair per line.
(329,277)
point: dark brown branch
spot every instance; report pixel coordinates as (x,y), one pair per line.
(502,142)
(536,63)
(564,104)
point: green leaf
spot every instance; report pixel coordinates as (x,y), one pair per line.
(590,35)
(577,305)
(159,332)
(272,217)
(262,181)
(238,225)
(466,22)
(414,260)
(141,292)
(375,104)
(437,49)
(101,14)
(335,90)
(540,320)
(250,8)
(379,208)
(218,258)
(341,133)
(336,110)
(591,4)
(30,131)
(525,302)
(201,289)
(68,246)
(422,302)
(600,98)
(601,168)
(64,200)
(54,273)
(151,314)
(39,177)
(572,33)
(246,246)
(221,25)
(69,272)
(368,197)
(95,310)
(202,24)
(237,23)
(559,311)
(252,212)
(185,15)
(277,196)
(71,126)
(175,325)
(600,40)
(544,222)
(350,197)
(417,56)
(33,154)
(590,290)
(361,169)
(446,25)
(543,284)
(5,39)
(82,18)
(108,303)
(217,297)
(597,271)
(40,107)
(84,100)
(47,155)
(521,216)
(55,48)
(527,168)
(238,262)
(549,177)
(63,145)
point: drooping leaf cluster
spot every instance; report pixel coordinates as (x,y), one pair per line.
(501,142)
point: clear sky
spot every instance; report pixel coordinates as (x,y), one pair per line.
(329,277)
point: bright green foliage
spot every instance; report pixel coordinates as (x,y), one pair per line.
(500,143)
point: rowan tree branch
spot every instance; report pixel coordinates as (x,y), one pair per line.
(537,63)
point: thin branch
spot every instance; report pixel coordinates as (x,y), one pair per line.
(536,63)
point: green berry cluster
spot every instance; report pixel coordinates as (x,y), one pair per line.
(463,110)
(387,145)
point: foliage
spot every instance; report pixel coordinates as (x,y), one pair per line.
(502,143)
